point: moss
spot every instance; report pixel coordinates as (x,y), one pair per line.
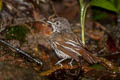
(98,66)
(17,32)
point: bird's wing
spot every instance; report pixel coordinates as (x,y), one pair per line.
(68,46)
(86,54)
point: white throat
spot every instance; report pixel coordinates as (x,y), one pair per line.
(54,28)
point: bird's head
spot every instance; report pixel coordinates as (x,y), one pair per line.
(59,24)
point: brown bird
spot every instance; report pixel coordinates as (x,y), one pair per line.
(66,44)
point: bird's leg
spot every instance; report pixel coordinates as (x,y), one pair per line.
(70,63)
(59,62)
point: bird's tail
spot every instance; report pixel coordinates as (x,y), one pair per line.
(90,58)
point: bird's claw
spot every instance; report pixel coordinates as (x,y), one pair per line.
(70,63)
(59,64)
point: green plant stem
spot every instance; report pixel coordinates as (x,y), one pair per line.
(82,27)
(82,19)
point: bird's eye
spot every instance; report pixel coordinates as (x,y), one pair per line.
(57,23)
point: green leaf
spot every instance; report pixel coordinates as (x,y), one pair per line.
(106,4)
(112,1)
(118,6)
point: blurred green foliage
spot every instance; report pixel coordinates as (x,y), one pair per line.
(102,8)
(0,5)
(117,4)
(106,4)
(17,32)
(99,15)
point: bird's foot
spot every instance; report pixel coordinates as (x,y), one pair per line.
(70,63)
(59,64)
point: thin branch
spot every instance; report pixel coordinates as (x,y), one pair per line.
(21,52)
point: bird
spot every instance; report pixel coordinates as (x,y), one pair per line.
(66,44)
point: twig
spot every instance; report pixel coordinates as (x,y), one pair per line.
(21,52)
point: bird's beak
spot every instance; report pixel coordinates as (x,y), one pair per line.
(52,25)
(49,22)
